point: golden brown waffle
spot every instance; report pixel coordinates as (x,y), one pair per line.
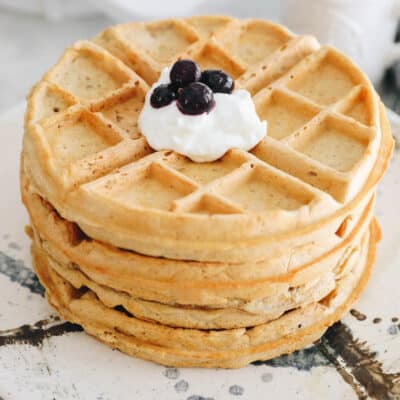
(261,250)
(253,287)
(313,171)
(204,303)
(230,348)
(222,316)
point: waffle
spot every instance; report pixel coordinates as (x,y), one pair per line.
(229,348)
(211,264)
(84,154)
(192,284)
(204,303)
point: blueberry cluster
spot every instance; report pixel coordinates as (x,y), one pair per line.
(194,90)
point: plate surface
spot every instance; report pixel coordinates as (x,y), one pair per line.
(42,357)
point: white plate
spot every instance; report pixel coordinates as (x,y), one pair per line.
(72,365)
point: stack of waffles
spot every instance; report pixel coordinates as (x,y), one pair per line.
(204,264)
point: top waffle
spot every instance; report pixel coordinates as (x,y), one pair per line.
(83,151)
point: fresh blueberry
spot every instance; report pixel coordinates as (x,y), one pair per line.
(184,72)
(218,81)
(162,96)
(195,99)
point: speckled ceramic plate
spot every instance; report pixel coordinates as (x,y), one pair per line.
(42,357)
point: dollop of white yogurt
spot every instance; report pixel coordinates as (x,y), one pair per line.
(231,123)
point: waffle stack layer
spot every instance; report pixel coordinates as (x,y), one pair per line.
(204,264)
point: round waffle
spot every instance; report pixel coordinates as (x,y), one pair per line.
(229,348)
(154,281)
(211,264)
(201,304)
(316,167)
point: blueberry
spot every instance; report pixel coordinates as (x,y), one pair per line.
(162,96)
(218,81)
(195,99)
(184,72)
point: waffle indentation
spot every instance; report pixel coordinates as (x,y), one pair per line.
(284,114)
(325,82)
(334,145)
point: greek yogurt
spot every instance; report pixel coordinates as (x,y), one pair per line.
(231,123)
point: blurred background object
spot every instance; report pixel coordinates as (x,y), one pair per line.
(125,10)
(54,9)
(362,29)
(33,33)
